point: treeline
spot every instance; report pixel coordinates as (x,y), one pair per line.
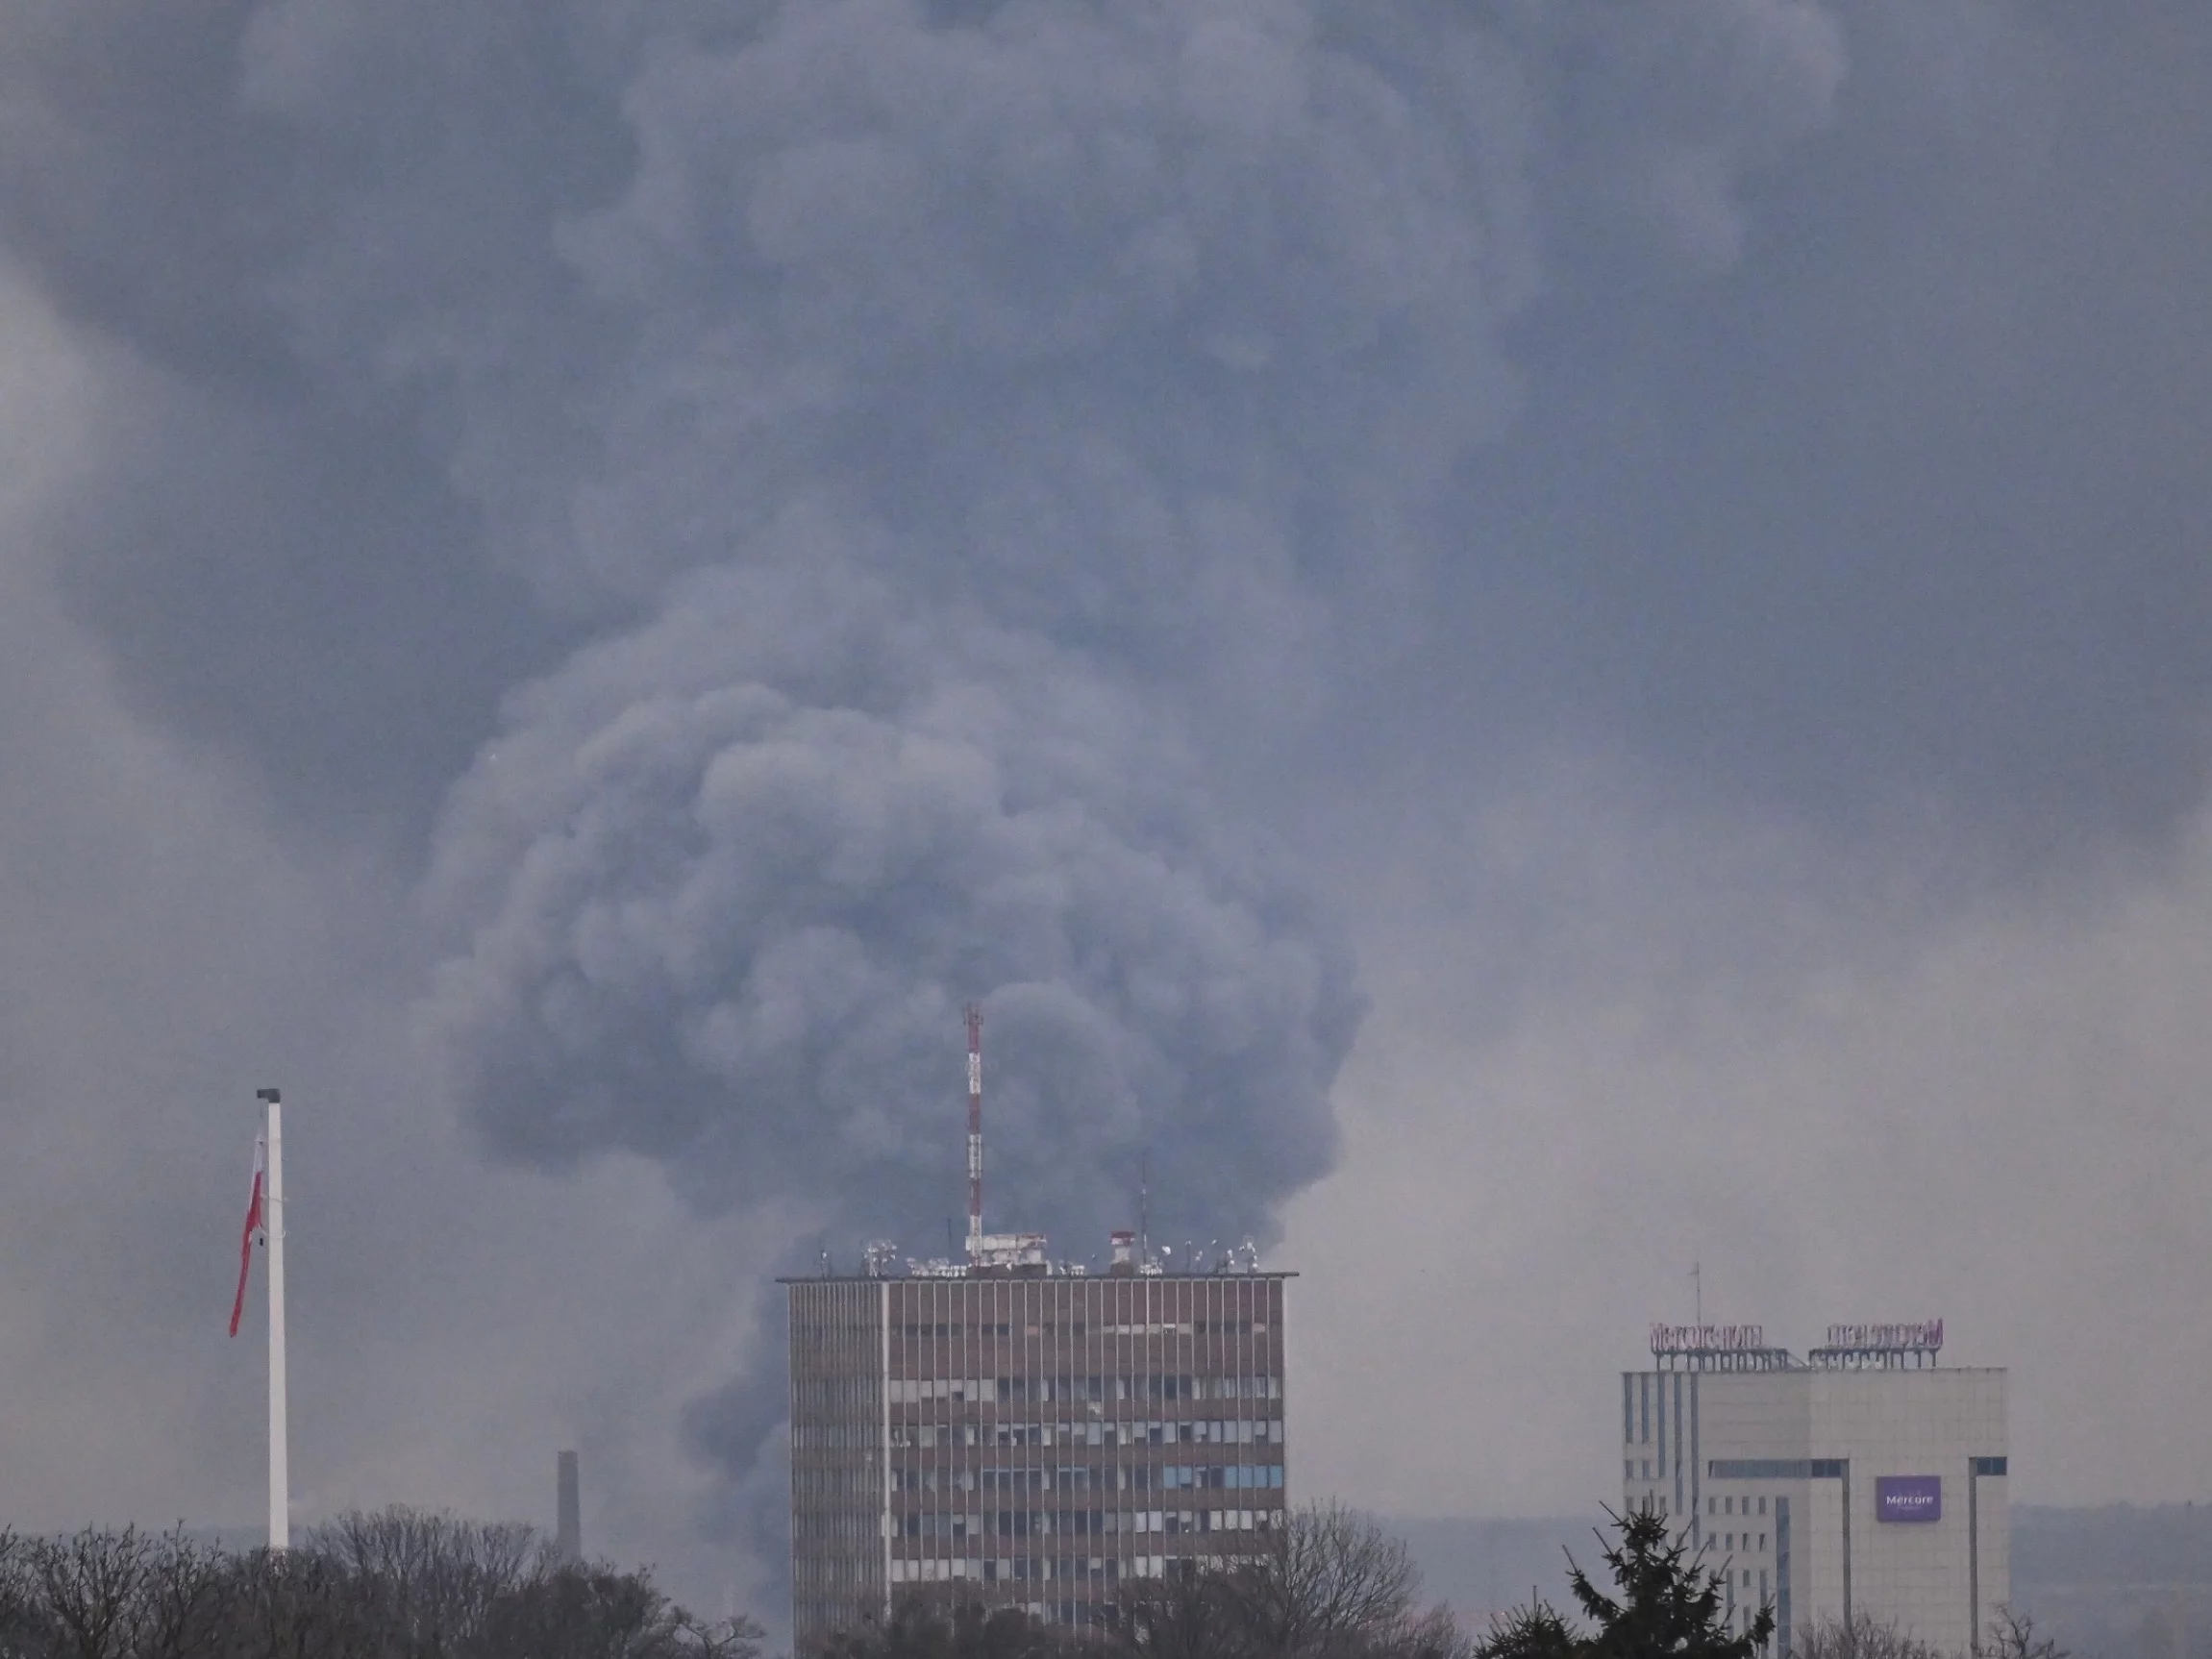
(394,1585)
(400,1584)
(1328,1585)
(1334,1585)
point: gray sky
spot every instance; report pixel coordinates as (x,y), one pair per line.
(1534,642)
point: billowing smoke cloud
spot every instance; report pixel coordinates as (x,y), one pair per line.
(964,433)
(771,518)
(1005,410)
(730,878)
(1000,401)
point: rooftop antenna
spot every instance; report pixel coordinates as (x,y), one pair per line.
(1697,1280)
(1144,1206)
(975,1129)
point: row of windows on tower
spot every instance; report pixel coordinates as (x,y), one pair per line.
(1081,1477)
(978,1330)
(1081,1523)
(1202,1431)
(1107,1569)
(1727,1505)
(1749,1542)
(1085,1390)
(1714,1505)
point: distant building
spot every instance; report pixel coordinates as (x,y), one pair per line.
(1027,1429)
(1861,1482)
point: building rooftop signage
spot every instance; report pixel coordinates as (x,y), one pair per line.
(1923,1336)
(1716,1347)
(1708,1338)
(1880,1346)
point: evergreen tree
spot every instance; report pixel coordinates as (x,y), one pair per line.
(1535,1631)
(1665,1603)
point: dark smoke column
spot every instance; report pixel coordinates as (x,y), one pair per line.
(729,920)
(998,404)
(725,912)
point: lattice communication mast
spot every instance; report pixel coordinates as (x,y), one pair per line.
(975,1129)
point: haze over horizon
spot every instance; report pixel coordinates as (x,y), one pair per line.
(1530,643)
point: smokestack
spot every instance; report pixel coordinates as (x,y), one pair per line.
(974,1128)
(568,1522)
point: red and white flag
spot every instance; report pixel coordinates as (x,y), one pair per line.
(247,1244)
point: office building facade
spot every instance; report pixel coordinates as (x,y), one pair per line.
(1863,1482)
(1032,1434)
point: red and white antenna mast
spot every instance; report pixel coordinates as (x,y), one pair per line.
(975,1129)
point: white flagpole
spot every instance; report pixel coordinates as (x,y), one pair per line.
(273,1231)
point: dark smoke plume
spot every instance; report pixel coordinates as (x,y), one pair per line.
(730,878)
(1007,405)
(961,430)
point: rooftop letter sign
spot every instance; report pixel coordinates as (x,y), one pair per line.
(1920,1336)
(1708,1338)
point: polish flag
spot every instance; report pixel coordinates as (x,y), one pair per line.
(246,1243)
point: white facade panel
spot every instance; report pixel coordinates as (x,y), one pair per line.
(1852,1495)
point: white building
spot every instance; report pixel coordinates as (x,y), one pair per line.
(1861,1482)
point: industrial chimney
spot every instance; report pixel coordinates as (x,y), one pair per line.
(568,1522)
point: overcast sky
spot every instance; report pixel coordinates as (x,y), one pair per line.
(1534,641)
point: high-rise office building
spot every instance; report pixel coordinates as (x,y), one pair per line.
(1042,1437)
(1028,1430)
(1862,1482)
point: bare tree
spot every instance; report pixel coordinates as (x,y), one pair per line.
(395,1585)
(1330,1584)
(949,1622)
(2013,1635)
(86,1594)
(1336,1576)
(186,1596)
(1190,1614)
(580,1611)
(690,1637)
(432,1580)
(1862,1638)
(299,1604)
(574,1613)
(21,1618)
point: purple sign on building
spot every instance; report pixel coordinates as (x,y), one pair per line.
(1908,1497)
